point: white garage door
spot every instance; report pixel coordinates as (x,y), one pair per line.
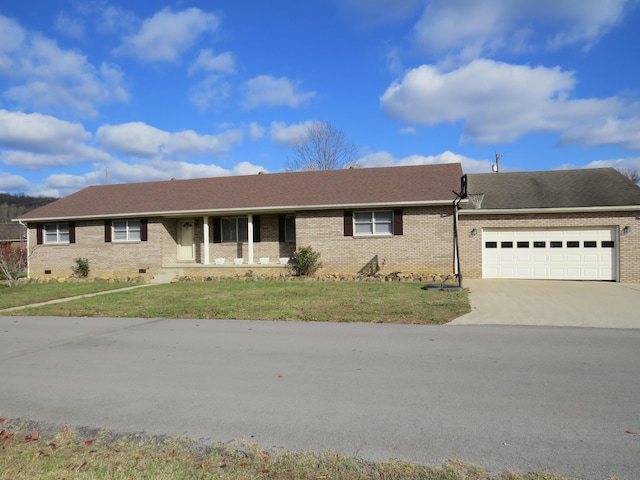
(560,254)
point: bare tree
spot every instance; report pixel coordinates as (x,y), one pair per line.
(324,148)
(13,262)
(632,174)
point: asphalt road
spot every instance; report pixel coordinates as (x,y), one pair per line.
(502,397)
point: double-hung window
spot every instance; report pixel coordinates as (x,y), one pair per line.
(56,233)
(234,229)
(126,231)
(375,222)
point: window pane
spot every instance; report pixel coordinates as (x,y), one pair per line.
(555,244)
(364,229)
(290,228)
(228,230)
(384,228)
(573,244)
(362,216)
(607,244)
(243,228)
(523,244)
(491,245)
(384,216)
(590,244)
(539,244)
(134,230)
(506,244)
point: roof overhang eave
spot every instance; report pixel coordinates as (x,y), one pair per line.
(516,211)
(242,211)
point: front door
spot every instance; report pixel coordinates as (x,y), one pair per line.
(186,246)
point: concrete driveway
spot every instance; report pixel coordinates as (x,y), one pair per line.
(552,302)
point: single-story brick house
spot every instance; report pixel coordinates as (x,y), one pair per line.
(566,224)
(360,220)
(563,224)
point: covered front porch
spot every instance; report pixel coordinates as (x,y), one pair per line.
(233,242)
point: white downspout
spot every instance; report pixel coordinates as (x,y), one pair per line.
(250,238)
(205,239)
(28,255)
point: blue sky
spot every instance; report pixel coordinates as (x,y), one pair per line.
(184,89)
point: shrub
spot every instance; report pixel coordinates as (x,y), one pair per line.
(305,261)
(81,268)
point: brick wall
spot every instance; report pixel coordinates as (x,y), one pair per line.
(425,246)
(106,259)
(629,244)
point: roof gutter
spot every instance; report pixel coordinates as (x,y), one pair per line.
(516,211)
(247,210)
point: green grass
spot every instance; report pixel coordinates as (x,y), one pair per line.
(24,294)
(71,456)
(272,300)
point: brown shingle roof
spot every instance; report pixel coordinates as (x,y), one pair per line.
(598,187)
(420,184)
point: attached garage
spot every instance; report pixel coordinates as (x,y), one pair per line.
(550,253)
(579,224)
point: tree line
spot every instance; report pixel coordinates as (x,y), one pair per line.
(12,206)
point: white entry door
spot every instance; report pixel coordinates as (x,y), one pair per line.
(186,247)
(551,253)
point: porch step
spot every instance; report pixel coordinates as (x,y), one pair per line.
(165,276)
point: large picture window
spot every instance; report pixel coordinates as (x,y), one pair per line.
(234,229)
(56,233)
(376,222)
(126,231)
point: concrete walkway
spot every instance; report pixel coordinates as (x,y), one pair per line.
(68,299)
(553,303)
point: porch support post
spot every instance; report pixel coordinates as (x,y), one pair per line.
(250,239)
(205,239)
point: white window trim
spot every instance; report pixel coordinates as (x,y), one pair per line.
(128,231)
(373,224)
(59,231)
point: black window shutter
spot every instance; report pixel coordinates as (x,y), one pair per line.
(282,221)
(397,222)
(217,230)
(39,228)
(348,223)
(144,230)
(256,228)
(107,230)
(72,232)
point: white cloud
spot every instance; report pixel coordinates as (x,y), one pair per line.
(407,131)
(43,76)
(473,28)
(35,132)
(167,35)
(497,102)
(211,89)
(631,163)
(385,159)
(610,131)
(141,140)
(72,27)
(265,90)
(291,135)
(256,131)
(13,183)
(208,62)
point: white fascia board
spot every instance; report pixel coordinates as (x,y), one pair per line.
(516,211)
(235,211)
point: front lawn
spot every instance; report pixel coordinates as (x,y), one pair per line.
(25,294)
(272,300)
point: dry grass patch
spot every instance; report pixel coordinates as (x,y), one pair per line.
(25,454)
